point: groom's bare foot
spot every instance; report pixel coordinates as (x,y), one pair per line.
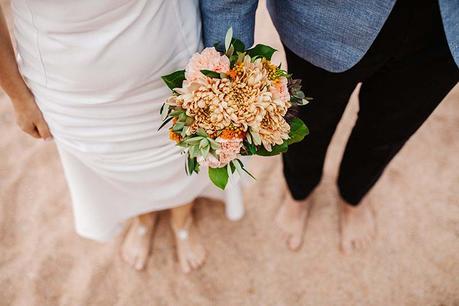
(190,252)
(357,226)
(137,242)
(291,219)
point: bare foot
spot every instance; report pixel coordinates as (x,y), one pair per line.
(291,219)
(190,252)
(357,226)
(137,242)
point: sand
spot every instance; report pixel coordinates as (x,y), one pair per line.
(414,261)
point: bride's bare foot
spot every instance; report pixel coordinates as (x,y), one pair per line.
(137,242)
(357,226)
(190,252)
(291,219)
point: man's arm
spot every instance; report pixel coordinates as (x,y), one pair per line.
(219,15)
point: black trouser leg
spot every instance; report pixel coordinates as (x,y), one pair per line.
(405,74)
(304,161)
(394,103)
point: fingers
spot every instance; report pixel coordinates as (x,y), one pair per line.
(37,129)
(43,129)
(31,130)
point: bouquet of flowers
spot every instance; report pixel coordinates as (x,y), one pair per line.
(231,103)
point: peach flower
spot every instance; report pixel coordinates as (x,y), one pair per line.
(229,149)
(280,90)
(210,161)
(208,59)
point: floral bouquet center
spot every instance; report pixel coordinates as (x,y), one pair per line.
(231,103)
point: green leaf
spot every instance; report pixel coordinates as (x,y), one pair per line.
(203,143)
(178,126)
(219,47)
(164,111)
(214,145)
(245,170)
(176,112)
(191,165)
(238,45)
(194,151)
(189,121)
(256,139)
(233,59)
(299,95)
(238,165)
(201,132)
(193,140)
(219,176)
(229,169)
(277,149)
(228,38)
(211,74)
(261,51)
(298,130)
(165,122)
(205,151)
(230,51)
(251,148)
(175,79)
(182,117)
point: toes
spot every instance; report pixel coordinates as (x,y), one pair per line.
(133,260)
(184,265)
(194,261)
(140,262)
(346,246)
(294,242)
(201,256)
(198,257)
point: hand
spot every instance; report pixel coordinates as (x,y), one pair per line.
(30,119)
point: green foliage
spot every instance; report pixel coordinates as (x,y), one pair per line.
(298,130)
(238,45)
(211,74)
(219,176)
(277,149)
(175,79)
(261,51)
(165,122)
(192,165)
(228,39)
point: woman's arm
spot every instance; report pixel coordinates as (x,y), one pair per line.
(28,115)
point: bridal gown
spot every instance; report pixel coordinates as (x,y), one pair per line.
(94,67)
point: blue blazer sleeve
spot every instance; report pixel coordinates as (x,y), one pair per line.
(219,15)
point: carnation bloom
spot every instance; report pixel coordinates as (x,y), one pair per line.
(210,161)
(229,149)
(208,59)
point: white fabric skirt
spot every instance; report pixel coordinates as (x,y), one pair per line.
(94,68)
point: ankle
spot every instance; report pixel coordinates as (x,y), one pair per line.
(181,224)
(146,219)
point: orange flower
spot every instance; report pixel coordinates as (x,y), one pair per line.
(174,136)
(232,74)
(232,134)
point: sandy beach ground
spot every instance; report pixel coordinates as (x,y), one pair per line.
(414,261)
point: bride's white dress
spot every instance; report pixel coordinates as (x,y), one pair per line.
(94,67)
